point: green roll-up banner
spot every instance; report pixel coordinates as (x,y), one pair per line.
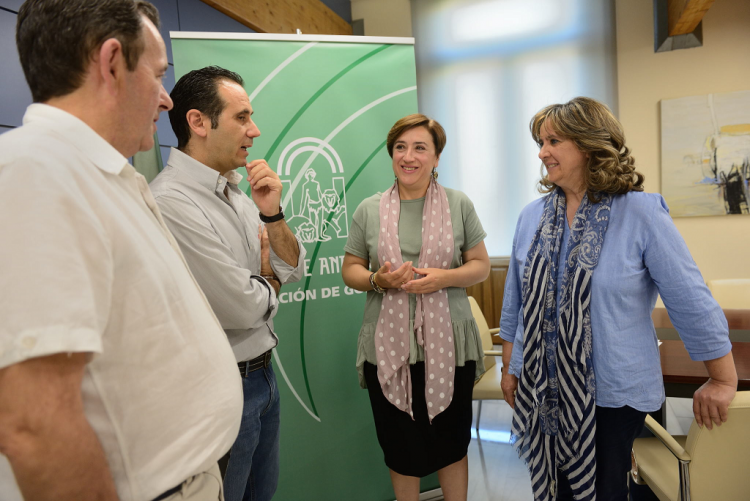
(324,105)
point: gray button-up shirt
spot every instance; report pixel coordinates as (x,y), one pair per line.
(219,238)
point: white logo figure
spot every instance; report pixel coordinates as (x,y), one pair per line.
(321,214)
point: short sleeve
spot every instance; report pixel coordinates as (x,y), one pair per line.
(356,244)
(473,231)
(57,265)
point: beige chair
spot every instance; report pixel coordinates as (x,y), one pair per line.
(488,387)
(731,294)
(705,465)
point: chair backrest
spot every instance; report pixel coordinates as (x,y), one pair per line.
(731,293)
(484,331)
(720,466)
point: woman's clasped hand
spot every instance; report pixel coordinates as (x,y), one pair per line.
(393,279)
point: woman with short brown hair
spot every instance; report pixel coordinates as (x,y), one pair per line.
(414,249)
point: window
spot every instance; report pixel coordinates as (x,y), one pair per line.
(484,68)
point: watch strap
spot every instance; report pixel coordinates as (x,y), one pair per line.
(274,218)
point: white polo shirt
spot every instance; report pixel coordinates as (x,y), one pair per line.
(88,266)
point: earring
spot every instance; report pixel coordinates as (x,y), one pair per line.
(434,173)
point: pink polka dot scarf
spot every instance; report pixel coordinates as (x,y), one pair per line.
(432,318)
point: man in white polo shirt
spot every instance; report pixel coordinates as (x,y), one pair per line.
(116,379)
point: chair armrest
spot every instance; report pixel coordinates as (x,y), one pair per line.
(495,330)
(667,439)
(496,353)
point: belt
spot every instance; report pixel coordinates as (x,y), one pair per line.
(168,493)
(253,365)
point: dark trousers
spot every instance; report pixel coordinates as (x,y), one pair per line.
(616,429)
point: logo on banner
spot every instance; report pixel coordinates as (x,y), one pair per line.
(314,192)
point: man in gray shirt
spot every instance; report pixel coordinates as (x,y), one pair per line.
(239,263)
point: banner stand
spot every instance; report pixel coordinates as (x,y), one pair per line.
(324,105)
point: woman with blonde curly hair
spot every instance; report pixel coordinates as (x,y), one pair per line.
(581,364)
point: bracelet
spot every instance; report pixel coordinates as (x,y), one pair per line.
(272,219)
(271,277)
(375,285)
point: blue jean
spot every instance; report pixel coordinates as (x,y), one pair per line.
(253,469)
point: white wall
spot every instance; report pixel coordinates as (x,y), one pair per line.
(720,245)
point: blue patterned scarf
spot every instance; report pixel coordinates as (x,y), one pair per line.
(554,423)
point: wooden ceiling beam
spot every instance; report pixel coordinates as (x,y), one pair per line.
(311,17)
(684,15)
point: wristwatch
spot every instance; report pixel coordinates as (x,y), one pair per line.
(272,219)
(375,285)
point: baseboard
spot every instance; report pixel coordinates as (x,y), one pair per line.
(433,495)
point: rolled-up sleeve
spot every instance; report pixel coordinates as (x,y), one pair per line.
(511,319)
(692,309)
(239,299)
(287,273)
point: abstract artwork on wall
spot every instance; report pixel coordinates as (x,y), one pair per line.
(705,154)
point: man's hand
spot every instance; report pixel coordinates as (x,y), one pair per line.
(265,251)
(433,279)
(275,284)
(266,269)
(266,187)
(509,384)
(395,279)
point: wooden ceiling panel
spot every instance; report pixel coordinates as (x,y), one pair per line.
(311,17)
(684,15)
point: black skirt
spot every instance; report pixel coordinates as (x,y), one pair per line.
(415,447)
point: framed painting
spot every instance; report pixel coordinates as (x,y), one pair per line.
(705,154)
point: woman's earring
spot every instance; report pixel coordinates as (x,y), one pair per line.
(434,173)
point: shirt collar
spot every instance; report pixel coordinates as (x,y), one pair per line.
(78,134)
(201,173)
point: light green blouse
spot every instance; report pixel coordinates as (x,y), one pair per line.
(363,243)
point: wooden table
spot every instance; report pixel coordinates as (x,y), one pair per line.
(679,371)
(682,376)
